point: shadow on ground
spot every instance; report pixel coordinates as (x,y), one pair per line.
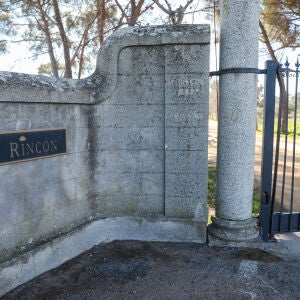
(153,270)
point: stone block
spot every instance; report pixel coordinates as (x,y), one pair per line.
(152,138)
(152,183)
(28,176)
(120,183)
(152,161)
(186,208)
(131,161)
(186,185)
(130,89)
(186,89)
(120,161)
(182,59)
(119,138)
(120,204)
(185,115)
(151,206)
(186,138)
(128,116)
(185,162)
(129,138)
(141,60)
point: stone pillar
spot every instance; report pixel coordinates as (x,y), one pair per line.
(236,129)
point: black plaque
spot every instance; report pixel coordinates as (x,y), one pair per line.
(25,145)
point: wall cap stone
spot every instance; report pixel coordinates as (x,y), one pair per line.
(26,88)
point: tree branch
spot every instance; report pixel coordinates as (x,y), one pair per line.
(266,40)
(167,11)
(122,10)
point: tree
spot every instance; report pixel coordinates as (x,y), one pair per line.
(52,27)
(280,19)
(175,15)
(69,31)
(132,10)
(280,28)
(6,26)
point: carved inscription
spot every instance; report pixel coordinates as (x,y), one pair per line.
(187,87)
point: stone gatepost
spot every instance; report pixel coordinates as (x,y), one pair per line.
(233,223)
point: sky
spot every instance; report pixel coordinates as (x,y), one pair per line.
(19,58)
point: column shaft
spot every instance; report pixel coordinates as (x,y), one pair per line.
(237,121)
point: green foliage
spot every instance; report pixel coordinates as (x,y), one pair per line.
(281,20)
(45,69)
(290,130)
(256,203)
(212,180)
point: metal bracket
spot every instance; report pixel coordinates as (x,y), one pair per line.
(238,70)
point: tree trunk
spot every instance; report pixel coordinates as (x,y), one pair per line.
(101,18)
(283,124)
(135,11)
(65,41)
(54,68)
(45,29)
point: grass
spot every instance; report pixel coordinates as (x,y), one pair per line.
(212,188)
(290,129)
(212,192)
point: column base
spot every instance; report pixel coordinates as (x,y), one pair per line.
(232,233)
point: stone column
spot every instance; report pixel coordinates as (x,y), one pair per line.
(236,129)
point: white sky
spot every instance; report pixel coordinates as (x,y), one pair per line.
(19,59)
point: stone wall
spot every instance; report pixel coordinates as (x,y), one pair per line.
(136,138)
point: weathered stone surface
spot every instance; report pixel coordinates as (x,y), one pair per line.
(186,138)
(142,60)
(137,146)
(186,89)
(186,59)
(185,162)
(237,119)
(155,89)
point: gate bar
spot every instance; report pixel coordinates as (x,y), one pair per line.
(267,153)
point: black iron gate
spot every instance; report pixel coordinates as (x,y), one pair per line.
(280,206)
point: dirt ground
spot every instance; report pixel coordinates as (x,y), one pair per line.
(153,270)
